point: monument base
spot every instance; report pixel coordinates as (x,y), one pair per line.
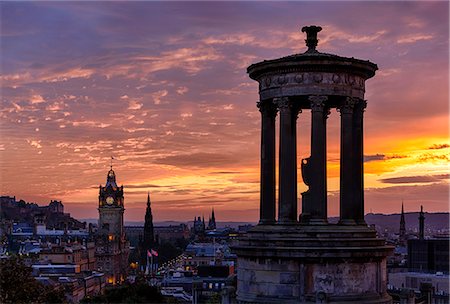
(312,264)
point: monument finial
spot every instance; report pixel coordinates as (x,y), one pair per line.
(311,37)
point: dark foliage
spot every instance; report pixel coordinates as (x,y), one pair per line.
(17,285)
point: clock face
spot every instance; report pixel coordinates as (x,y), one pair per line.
(109,200)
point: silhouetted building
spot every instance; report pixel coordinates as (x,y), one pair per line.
(148,242)
(212,221)
(421,224)
(149,237)
(56,207)
(112,247)
(428,255)
(199,226)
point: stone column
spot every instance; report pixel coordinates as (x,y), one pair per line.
(287,199)
(347,203)
(267,182)
(358,165)
(318,187)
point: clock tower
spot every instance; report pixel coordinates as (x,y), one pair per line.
(112,247)
(111,208)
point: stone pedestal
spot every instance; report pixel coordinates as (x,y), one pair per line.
(312,264)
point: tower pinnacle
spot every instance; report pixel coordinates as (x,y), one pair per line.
(402,232)
(421,224)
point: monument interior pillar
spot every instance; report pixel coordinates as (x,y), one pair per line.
(287,200)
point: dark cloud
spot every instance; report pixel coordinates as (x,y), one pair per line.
(377,157)
(369,158)
(427,157)
(439,146)
(415,179)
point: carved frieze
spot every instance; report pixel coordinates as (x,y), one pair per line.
(289,79)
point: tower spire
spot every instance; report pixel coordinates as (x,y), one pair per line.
(421,224)
(402,232)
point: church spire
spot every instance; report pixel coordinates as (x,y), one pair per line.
(421,224)
(402,232)
(148,227)
(212,221)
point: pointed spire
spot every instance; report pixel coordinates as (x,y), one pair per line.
(149,237)
(421,224)
(402,232)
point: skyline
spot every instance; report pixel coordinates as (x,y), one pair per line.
(163,88)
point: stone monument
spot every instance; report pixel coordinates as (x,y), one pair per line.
(305,259)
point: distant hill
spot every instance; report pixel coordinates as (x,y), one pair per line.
(386,221)
(392,221)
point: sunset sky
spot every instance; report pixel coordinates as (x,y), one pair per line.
(163,88)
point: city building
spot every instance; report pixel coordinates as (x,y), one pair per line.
(212,221)
(199,226)
(82,255)
(147,243)
(18,216)
(207,254)
(112,246)
(413,280)
(77,284)
(428,255)
(172,233)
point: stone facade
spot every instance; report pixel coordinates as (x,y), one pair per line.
(112,247)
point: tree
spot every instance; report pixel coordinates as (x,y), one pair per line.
(17,285)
